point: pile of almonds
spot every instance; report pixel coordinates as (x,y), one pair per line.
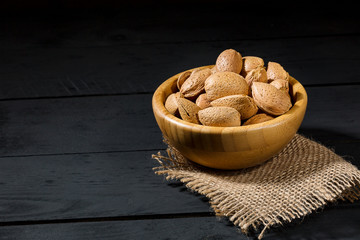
(236,89)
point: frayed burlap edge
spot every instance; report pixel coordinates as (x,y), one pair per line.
(209,182)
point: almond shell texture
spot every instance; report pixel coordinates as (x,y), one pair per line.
(171,103)
(194,85)
(258,118)
(276,71)
(220,117)
(270,99)
(188,110)
(256,75)
(202,101)
(229,61)
(181,79)
(281,84)
(250,63)
(223,84)
(244,104)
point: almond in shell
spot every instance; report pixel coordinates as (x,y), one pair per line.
(250,63)
(195,70)
(171,103)
(220,117)
(281,84)
(270,99)
(202,101)
(229,61)
(221,84)
(182,77)
(244,104)
(194,85)
(276,71)
(188,110)
(256,75)
(258,118)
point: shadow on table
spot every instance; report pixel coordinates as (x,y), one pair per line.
(183,188)
(344,145)
(330,223)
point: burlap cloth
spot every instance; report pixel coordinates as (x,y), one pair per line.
(304,177)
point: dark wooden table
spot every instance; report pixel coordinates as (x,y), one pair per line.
(76,125)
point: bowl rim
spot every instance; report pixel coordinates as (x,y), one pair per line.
(159,108)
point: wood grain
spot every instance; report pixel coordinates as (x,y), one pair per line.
(64,51)
(327,224)
(188,228)
(76,70)
(78,186)
(126,123)
(55,180)
(88,186)
(132,23)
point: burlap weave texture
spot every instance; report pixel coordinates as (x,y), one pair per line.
(305,176)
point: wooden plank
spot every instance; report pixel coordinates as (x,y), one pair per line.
(78,186)
(332,112)
(168,21)
(126,123)
(89,185)
(73,70)
(188,228)
(328,224)
(77,125)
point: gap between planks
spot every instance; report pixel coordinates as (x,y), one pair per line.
(142,217)
(110,219)
(81,153)
(151,92)
(350,34)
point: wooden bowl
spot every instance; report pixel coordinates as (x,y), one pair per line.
(229,147)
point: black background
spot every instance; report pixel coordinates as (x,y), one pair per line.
(76,124)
